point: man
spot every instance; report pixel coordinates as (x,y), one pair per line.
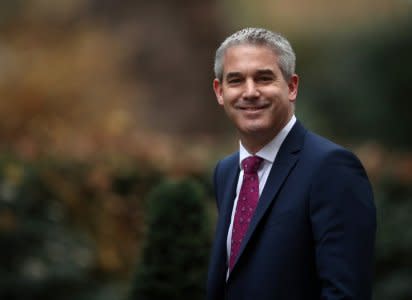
(296,213)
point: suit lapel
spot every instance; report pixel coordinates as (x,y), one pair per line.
(229,197)
(227,180)
(286,159)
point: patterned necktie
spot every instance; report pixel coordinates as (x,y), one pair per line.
(246,205)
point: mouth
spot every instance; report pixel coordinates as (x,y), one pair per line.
(253,108)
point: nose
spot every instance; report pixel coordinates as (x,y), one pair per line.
(251,91)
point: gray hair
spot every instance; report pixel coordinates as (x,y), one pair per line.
(262,37)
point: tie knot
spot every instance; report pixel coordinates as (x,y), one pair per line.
(251,164)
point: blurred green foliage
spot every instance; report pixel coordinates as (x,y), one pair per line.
(175,254)
(393,278)
(68,230)
(357,86)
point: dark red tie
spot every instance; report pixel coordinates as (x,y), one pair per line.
(246,204)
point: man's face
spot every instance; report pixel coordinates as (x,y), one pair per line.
(253,91)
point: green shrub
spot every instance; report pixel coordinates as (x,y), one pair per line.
(175,254)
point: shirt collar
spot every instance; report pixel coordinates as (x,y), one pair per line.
(271,149)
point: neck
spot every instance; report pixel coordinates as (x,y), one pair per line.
(254,144)
(255,141)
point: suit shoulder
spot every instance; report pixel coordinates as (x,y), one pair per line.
(322,146)
(226,164)
(320,143)
(230,159)
(323,152)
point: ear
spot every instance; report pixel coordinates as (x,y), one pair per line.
(293,87)
(217,87)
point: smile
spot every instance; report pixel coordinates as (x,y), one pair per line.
(253,108)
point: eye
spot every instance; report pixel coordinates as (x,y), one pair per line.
(234,80)
(265,78)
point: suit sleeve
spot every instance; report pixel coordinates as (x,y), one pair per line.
(343,219)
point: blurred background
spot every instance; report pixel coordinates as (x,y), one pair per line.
(109,132)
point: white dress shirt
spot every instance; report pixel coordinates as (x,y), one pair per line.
(268,153)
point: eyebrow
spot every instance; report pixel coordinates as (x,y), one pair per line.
(265,72)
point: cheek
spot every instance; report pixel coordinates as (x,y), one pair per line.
(232,93)
(230,97)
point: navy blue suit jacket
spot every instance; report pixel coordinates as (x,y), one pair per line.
(313,232)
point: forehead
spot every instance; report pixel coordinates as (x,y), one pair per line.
(249,57)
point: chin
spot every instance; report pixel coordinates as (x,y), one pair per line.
(254,129)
